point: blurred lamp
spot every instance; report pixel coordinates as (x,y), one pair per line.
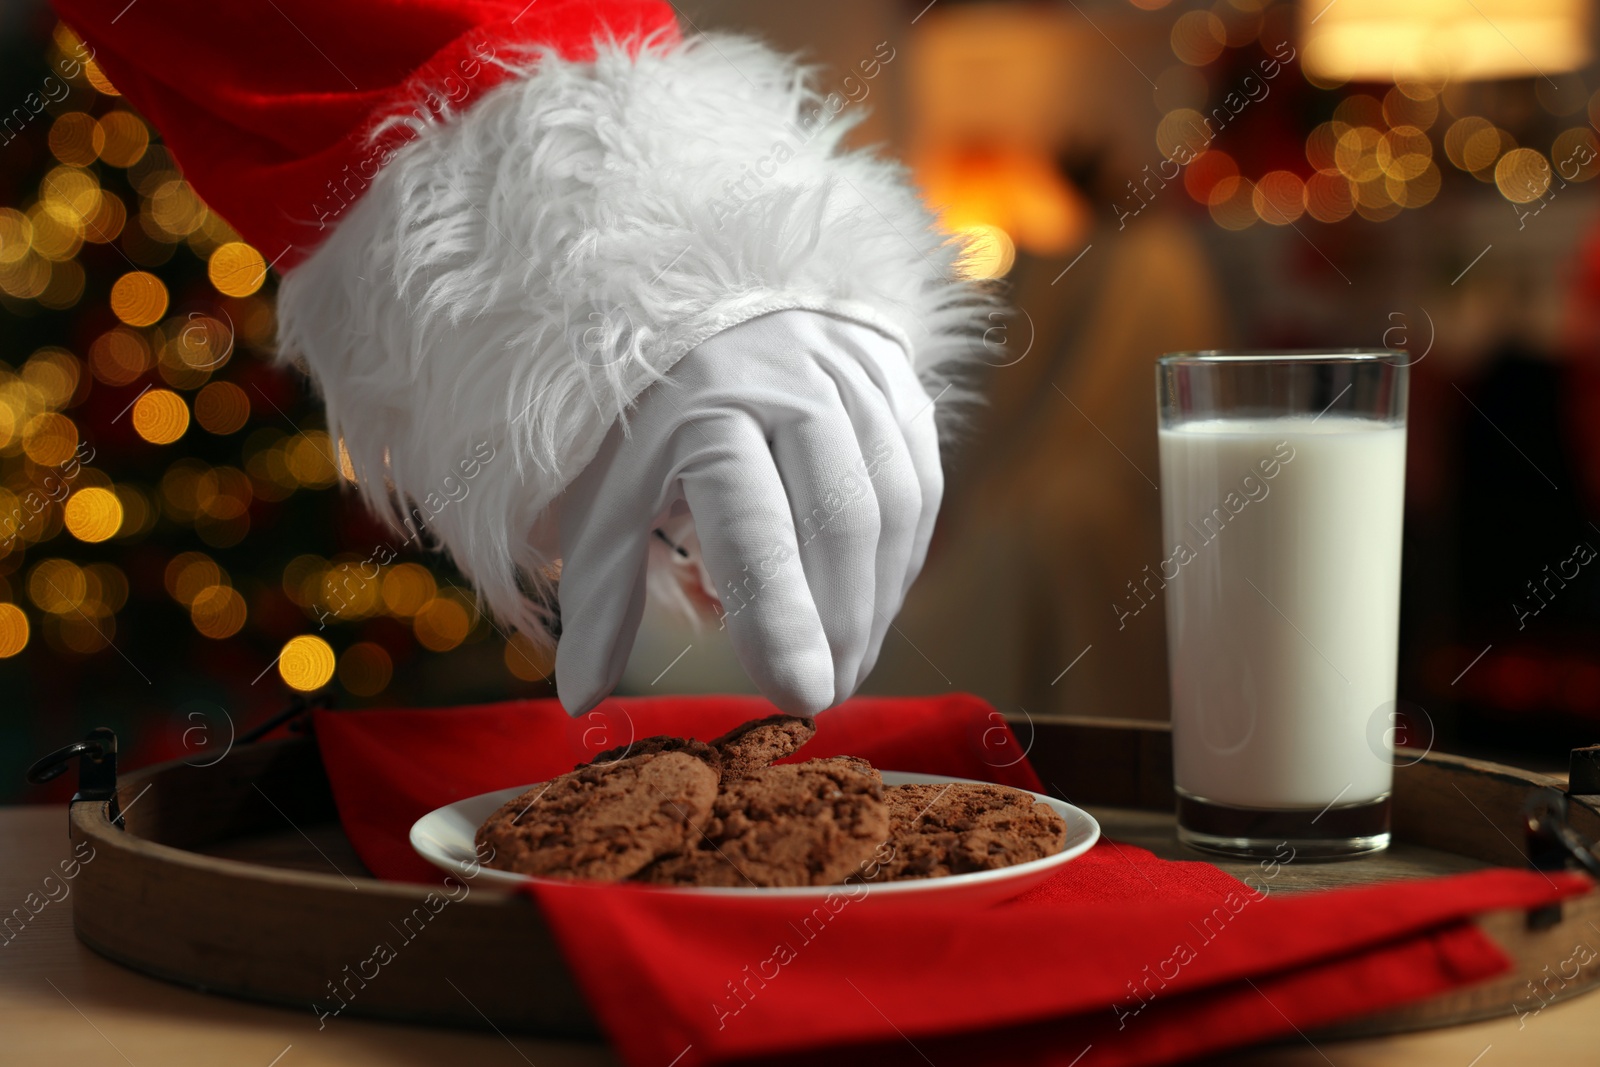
(991,109)
(1429,40)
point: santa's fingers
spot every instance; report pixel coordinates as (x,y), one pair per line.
(605,522)
(750,552)
(883,364)
(886,474)
(836,523)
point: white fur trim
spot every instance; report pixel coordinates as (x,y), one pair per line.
(520,272)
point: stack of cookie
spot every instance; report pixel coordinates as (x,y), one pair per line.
(674,811)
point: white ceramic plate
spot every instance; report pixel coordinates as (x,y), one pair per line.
(444,838)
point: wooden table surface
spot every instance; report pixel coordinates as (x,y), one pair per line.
(61,1003)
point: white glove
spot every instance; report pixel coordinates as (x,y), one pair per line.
(806,450)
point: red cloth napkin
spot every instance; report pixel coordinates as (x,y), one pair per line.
(1122,958)
(389,768)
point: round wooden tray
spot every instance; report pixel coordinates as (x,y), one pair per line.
(236,878)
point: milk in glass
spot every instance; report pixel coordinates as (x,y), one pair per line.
(1283,588)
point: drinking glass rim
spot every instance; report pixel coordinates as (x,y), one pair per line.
(1282,355)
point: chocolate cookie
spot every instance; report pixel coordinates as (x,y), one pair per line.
(939,830)
(606,821)
(811,823)
(645,746)
(762,742)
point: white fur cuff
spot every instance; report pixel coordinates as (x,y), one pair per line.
(520,272)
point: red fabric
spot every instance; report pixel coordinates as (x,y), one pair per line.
(268,107)
(1123,958)
(390,768)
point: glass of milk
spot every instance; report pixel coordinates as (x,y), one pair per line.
(1282,491)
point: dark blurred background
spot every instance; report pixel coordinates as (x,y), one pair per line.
(178,558)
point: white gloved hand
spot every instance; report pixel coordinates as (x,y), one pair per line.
(806,450)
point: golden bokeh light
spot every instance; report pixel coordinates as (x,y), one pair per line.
(1456,137)
(1236,212)
(54,239)
(70,195)
(527,659)
(57,586)
(139,298)
(1576,154)
(175,370)
(1182,130)
(348,591)
(236,269)
(306,663)
(119,356)
(50,439)
(175,208)
(1417,191)
(138,513)
(76,139)
(1198,37)
(1018,190)
(1373,201)
(160,416)
(98,79)
(27,279)
(200,342)
(1328,197)
(107,222)
(365,669)
(1483,148)
(93,514)
(79,633)
(1212,176)
(54,374)
(1320,146)
(1358,109)
(1421,88)
(223,493)
(126,138)
(218,612)
(406,588)
(347,468)
(1279,197)
(65,40)
(12,520)
(986,252)
(13,630)
(310,459)
(1356,154)
(1522,175)
(222,408)
(1400,108)
(1404,152)
(441,624)
(189,574)
(16,236)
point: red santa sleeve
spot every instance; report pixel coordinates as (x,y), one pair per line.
(498,222)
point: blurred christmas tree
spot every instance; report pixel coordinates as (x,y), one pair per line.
(175,553)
